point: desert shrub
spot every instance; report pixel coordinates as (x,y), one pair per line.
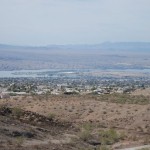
(103,148)
(85,133)
(125,98)
(12,94)
(51,116)
(122,135)
(19,141)
(109,137)
(17,112)
(87,126)
(146,140)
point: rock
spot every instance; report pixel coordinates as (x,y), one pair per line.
(16,134)
(23,134)
(94,142)
(28,134)
(4,111)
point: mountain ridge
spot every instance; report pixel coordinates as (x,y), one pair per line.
(105,55)
(105,45)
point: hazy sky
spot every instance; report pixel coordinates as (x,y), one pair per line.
(43,22)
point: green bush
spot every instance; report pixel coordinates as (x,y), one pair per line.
(109,137)
(125,98)
(51,116)
(19,141)
(85,133)
(17,112)
(103,148)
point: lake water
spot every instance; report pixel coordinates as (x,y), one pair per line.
(56,72)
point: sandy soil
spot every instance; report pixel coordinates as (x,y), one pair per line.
(133,119)
(145,92)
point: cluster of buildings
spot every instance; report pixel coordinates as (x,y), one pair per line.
(25,86)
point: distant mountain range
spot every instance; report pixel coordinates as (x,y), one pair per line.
(105,55)
(136,46)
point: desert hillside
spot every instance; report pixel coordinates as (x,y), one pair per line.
(74,122)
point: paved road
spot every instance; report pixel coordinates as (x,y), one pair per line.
(137,148)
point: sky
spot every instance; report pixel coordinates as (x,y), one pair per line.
(45,22)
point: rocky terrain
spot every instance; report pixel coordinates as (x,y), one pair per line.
(72,122)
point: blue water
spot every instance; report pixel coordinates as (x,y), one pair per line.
(57,72)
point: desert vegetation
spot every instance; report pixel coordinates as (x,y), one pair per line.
(101,122)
